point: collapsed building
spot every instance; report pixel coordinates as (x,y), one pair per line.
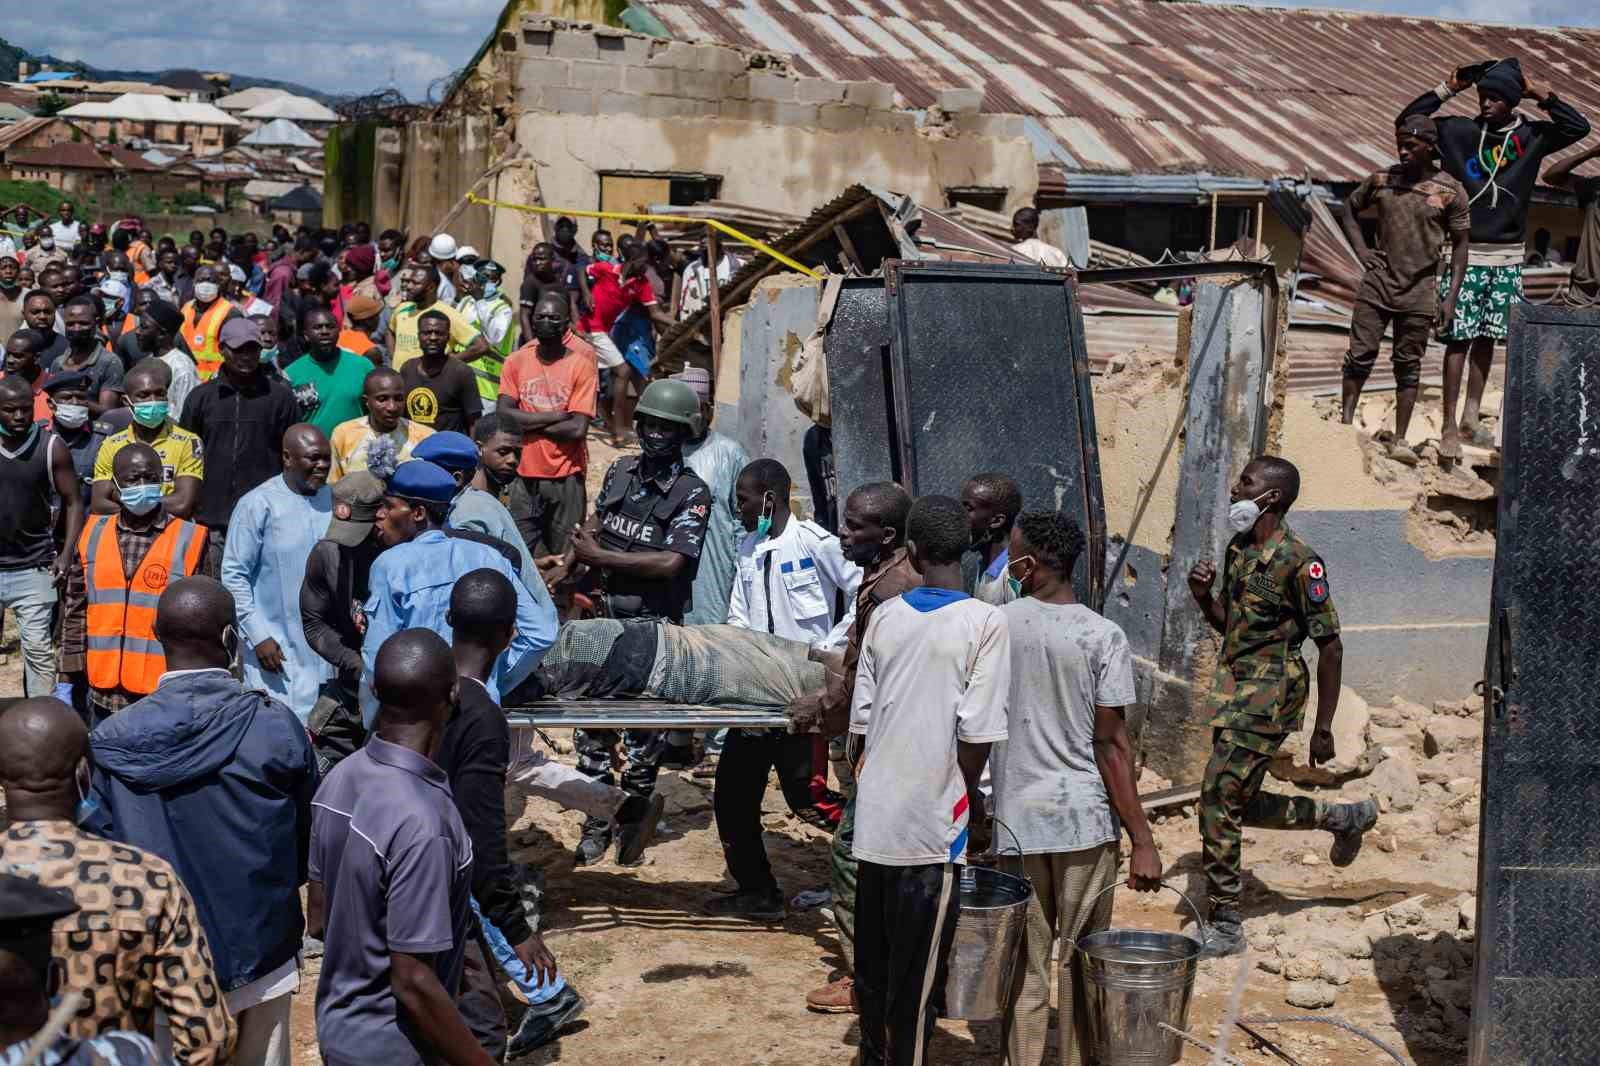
(1138,128)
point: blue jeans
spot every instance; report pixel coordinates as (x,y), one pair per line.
(31,595)
(514,967)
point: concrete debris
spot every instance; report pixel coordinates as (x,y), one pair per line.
(1352,757)
(1311,995)
(1394,783)
(1444,734)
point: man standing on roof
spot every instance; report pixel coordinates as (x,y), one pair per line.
(1417,206)
(1496,156)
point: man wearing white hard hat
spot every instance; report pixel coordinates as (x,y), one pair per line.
(442,250)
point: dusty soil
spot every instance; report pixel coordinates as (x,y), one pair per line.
(667,984)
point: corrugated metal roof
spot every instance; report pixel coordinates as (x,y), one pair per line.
(295,108)
(281,132)
(147,107)
(1144,87)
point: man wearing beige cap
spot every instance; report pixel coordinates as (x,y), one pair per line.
(335,587)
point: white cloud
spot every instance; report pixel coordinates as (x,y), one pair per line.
(343,46)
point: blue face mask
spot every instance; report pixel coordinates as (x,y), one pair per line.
(151,414)
(764,523)
(490,290)
(269,356)
(87,807)
(140,499)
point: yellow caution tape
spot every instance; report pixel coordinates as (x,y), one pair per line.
(621,216)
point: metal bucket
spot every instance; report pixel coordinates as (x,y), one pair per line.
(1133,980)
(988,942)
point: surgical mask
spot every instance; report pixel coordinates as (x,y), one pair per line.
(47,243)
(71,415)
(1242,515)
(152,414)
(605,257)
(140,499)
(205,291)
(1014,583)
(659,447)
(490,290)
(269,355)
(117,275)
(764,523)
(111,305)
(12,285)
(88,806)
(391,265)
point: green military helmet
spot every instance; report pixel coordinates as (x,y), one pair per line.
(673,401)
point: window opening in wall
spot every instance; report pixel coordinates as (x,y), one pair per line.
(637,192)
(988,197)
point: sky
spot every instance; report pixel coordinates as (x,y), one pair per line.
(357,46)
(337,46)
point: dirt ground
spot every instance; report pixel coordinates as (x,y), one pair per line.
(668,984)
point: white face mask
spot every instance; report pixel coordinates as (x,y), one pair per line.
(1242,515)
(71,415)
(205,291)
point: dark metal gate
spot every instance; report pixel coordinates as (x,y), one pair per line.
(1536,987)
(944,370)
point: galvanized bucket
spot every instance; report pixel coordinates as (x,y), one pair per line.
(1135,979)
(988,942)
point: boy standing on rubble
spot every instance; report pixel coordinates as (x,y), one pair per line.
(1496,155)
(1417,206)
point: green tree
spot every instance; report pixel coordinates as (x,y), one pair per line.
(51,103)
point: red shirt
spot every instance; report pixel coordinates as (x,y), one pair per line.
(611,296)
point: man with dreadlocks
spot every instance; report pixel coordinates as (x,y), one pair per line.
(1496,155)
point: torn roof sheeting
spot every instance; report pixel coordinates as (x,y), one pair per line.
(1145,87)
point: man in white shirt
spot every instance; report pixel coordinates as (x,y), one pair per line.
(930,698)
(66,230)
(1063,778)
(1025,231)
(789,576)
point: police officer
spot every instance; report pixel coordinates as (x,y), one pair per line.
(642,546)
(1274,594)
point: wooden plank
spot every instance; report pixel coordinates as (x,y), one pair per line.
(1170,797)
(843,237)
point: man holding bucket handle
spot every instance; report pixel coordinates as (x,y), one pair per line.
(1063,779)
(1274,594)
(930,697)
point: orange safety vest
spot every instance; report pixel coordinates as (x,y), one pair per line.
(201,337)
(123,651)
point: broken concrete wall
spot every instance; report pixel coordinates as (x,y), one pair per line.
(780,315)
(583,101)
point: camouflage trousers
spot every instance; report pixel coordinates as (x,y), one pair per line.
(1230,799)
(641,750)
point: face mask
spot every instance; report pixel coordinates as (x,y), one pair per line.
(152,414)
(111,305)
(1242,515)
(605,257)
(71,415)
(205,291)
(764,523)
(10,286)
(490,290)
(1014,583)
(658,447)
(546,330)
(140,499)
(269,355)
(117,275)
(88,806)
(47,243)
(391,265)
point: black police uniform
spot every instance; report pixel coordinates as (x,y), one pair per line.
(667,512)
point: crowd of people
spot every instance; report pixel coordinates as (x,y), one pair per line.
(290,522)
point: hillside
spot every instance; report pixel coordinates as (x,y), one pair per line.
(11,54)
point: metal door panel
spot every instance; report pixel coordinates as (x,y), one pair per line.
(857,346)
(990,374)
(1535,990)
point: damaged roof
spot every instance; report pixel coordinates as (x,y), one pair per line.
(1148,87)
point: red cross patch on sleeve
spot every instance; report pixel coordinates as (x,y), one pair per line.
(1316,582)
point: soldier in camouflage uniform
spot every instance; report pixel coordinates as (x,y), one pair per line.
(1273,595)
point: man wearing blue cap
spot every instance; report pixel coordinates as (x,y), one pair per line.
(475,509)
(412,579)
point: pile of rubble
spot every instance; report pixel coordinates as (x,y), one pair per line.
(1423,767)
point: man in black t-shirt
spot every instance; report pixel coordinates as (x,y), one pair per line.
(441,391)
(547,272)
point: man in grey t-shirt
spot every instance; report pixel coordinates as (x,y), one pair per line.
(390,873)
(1063,777)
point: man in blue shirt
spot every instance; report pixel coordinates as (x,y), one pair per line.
(475,509)
(411,581)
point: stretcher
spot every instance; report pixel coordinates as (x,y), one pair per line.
(637,713)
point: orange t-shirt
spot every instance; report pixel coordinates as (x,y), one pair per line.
(353,340)
(41,402)
(568,384)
